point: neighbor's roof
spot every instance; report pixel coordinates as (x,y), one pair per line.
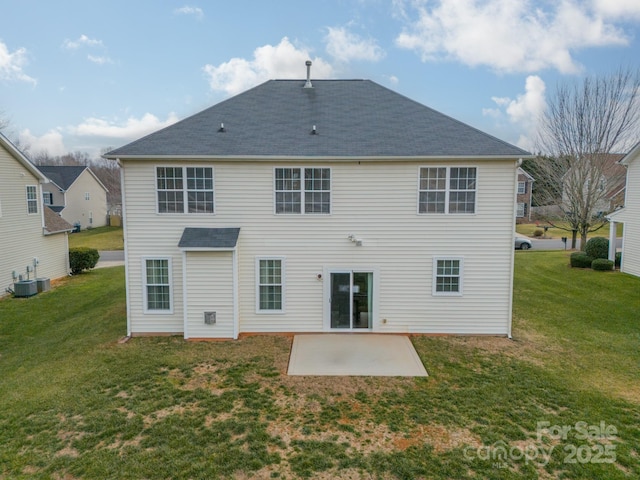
(54,223)
(353,118)
(209,238)
(64,175)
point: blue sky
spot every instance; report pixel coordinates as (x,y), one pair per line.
(87,75)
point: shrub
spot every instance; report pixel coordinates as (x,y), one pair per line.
(538,233)
(581,260)
(597,247)
(602,264)
(82,258)
(618,261)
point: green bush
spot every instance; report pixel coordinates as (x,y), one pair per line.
(602,264)
(618,261)
(538,233)
(597,247)
(82,258)
(581,260)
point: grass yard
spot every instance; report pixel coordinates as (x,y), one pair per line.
(553,232)
(101,238)
(77,404)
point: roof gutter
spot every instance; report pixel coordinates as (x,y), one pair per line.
(335,158)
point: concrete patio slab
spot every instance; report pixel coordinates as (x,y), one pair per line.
(354,354)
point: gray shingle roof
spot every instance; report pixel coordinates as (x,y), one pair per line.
(353,118)
(203,238)
(54,223)
(62,175)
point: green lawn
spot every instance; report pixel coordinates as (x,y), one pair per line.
(553,232)
(101,238)
(77,404)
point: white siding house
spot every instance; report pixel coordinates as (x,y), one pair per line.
(340,207)
(77,194)
(28,231)
(629,216)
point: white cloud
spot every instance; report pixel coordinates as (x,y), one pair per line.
(51,142)
(188,10)
(12,64)
(345,46)
(129,129)
(506,35)
(82,41)
(99,60)
(280,61)
(617,8)
(524,112)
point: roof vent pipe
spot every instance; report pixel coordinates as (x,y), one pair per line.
(308,82)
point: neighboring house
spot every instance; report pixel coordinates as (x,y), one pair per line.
(77,194)
(325,206)
(610,186)
(629,216)
(523,200)
(32,236)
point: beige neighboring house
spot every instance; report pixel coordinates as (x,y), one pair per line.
(523,200)
(318,206)
(629,216)
(77,194)
(34,241)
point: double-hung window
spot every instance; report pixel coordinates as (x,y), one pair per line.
(447,276)
(447,190)
(185,189)
(522,188)
(157,283)
(270,285)
(303,190)
(32,199)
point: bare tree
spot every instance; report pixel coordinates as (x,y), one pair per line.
(585,124)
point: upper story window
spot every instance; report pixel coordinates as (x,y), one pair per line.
(447,190)
(522,188)
(185,189)
(32,199)
(303,190)
(87,195)
(47,198)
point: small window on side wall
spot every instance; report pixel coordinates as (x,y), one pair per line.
(32,199)
(157,283)
(270,285)
(447,276)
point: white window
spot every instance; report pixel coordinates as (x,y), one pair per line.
(157,285)
(87,195)
(522,188)
(32,199)
(175,195)
(47,198)
(447,190)
(447,276)
(270,285)
(298,187)
(520,210)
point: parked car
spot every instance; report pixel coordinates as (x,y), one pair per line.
(523,243)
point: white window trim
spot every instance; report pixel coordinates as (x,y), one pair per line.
(144,286)
(302,191)
(520,210)
(87,196)
(435,277)
(185,198)
(523,190)
(448,190)
(283,271)
(26,193)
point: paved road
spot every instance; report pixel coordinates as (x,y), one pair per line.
(110,258)
(556,244)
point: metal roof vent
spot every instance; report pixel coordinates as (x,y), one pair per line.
(308,82)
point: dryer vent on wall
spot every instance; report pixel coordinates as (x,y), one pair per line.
(209,318)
